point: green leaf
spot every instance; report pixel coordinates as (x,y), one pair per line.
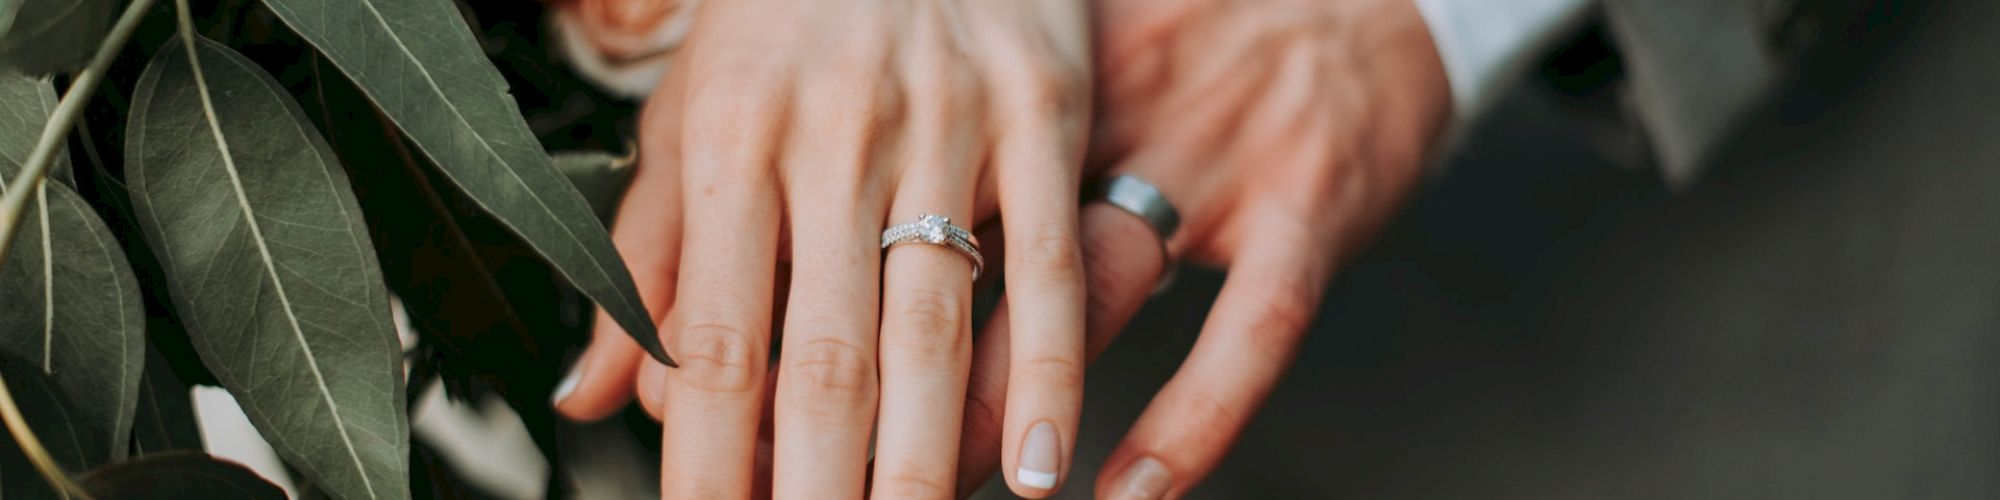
(69,303)
(418,61)
(182,475)
(49,36)
(48,414)
(25,104)
(269,265)
(601,177)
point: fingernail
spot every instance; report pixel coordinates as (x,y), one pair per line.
(568,385)
(1145,479)
(1041,457)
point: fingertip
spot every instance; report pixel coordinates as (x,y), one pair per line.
(566,386)
(1144,478)
(651,386)
(1039,468)
(601,380)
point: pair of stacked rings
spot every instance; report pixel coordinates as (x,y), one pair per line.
(933,229)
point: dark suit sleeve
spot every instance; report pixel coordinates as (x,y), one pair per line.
(1695,70)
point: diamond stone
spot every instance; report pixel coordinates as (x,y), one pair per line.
(932,228)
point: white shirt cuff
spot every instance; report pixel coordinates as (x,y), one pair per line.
(1486,44)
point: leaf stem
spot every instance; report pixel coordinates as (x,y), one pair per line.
(32,447)
(15,200)
(36,168)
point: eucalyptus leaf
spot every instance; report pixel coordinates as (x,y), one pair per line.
(418,61)
(269,265)
(48,414)
(25,105)
(177,476)
(601,177)
(69,303)
(49,36)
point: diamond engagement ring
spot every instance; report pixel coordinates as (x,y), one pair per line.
(936,230)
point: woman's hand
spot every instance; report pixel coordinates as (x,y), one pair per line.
(1285,132)
(796,131)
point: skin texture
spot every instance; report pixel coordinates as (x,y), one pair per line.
(787,137)
(1286,132)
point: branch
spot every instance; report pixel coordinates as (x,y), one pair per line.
(15,201)
(32,447)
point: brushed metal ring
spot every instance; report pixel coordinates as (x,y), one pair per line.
(1142,200)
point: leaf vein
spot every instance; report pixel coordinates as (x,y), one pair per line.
(278,285)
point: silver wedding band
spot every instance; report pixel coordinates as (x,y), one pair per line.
(1141,199)
(937,230)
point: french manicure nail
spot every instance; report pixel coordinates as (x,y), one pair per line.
(1041,458)
(568,385)
(1145,479)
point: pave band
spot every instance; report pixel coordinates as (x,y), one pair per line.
(937,230)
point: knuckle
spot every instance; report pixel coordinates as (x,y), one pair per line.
(734,129)
(1291,303)
(926,323)
(849,119)
(719,358)
(859,55)
(948,92)
(1051,258)
(1055,371)
(1286,317)
(913,485)
(837,375)
(1287,310)
(1209,421)
(1046,92)
(732,96)
(851,91)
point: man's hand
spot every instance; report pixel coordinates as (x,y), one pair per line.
(1285,132)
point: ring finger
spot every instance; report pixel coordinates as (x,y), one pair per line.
(926,333)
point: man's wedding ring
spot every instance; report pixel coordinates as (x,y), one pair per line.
(1144,201)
